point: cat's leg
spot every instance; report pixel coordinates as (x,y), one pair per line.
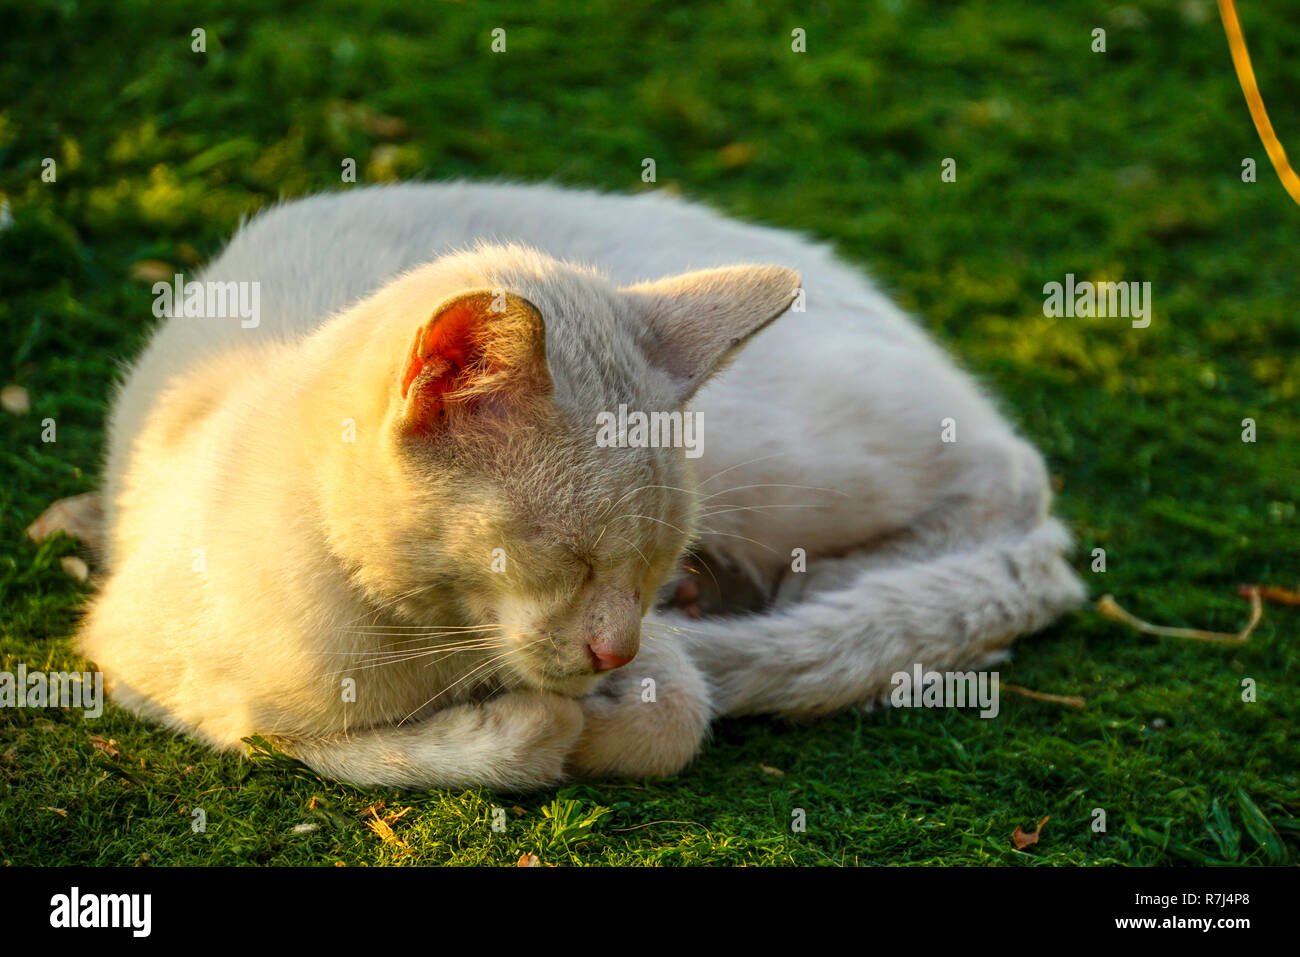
(648,718)
(518,741)
(1002,490)
(859,623)
(981,565)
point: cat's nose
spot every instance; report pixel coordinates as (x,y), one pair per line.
(608,660)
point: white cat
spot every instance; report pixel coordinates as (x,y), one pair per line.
(376,527)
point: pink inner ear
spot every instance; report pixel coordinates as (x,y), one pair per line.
(447,356)
(445,347)
(443,351)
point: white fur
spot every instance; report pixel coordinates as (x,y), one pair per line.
(822,435)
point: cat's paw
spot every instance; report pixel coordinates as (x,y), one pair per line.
(704,588)
(535,732)
(648,719)
(686,592)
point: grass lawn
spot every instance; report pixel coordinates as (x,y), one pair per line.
(1122,165)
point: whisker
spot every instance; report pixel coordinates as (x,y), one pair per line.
(678,628)
(739,465)
(724,509)
(714,531)
(389,604)
(392,651)
(401,627)
(407,636)
(493,660)
(637,550)
(806,488)
(651,518)
(441,652)
(694,491)
(644,488)
(698,557)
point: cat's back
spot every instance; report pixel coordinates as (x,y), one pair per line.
(315,256)
(307,259)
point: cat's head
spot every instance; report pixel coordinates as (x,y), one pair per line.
(529,502)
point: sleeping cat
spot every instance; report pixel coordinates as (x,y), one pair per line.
(376,527)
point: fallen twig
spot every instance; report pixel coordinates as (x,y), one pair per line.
(1073,701)
(1107,606)
(1273,593)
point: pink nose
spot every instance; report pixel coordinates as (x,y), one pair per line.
(608,660)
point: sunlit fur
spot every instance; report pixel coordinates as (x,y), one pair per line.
(256,559)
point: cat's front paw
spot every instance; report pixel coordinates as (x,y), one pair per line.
(535,734)
(649,719)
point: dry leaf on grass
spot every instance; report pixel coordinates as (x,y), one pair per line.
(57,810)
(109,746)
(382,828)
(528,860)
(1022,840)
(390,818)
(768,769)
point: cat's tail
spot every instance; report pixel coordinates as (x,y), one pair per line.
(839,646)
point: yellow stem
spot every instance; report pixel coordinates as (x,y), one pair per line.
(1241,60)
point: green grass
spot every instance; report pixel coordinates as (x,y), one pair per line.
(1122,165)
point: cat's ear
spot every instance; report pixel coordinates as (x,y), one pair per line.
(481,353)
(696,322)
